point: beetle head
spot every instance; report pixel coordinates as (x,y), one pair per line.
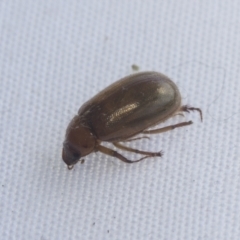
(79,142)
(70,155)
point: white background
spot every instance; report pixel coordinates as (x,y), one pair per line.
(55,55)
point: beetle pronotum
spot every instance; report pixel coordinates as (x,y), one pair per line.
(119,112)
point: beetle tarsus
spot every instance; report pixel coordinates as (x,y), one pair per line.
(133,161)
(187,108)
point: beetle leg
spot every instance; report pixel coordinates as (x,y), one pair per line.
(168,128)
(113,153)
(151,154)
(133,139)
(187,109)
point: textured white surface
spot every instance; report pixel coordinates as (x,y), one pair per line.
(55,55)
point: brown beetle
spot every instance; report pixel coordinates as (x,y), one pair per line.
(124,109)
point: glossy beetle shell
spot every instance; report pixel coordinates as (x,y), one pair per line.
(131,105)
(124,109)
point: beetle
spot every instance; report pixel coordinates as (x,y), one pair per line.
(124,109)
